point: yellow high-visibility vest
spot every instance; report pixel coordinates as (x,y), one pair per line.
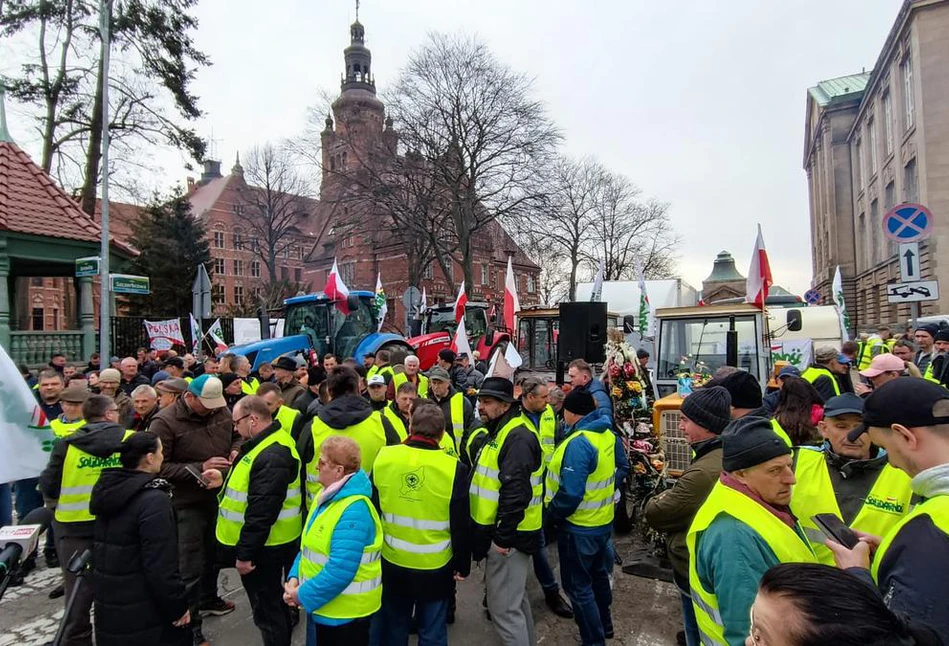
(788,545)
(484,492)
(546,431)
(363,596)
(286,416)
(369,434)
(937,508)
(780,432)
(812,373)
(396,420)
(415,487)
(233,498)
(249,385)
(887,502)
(63,429)
(81,472)
(596,508)
(400,378)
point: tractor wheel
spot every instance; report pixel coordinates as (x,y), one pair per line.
(393,347)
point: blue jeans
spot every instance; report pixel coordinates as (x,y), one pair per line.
(585,578)
(391,625)
(689,622)
(6,505)
(542,570)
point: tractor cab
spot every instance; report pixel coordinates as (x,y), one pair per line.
(329,329)
(442,319)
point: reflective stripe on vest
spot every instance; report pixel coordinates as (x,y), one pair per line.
(485,487)
(286,416)
(81,472)
(475,433)
(812,373)
(415,487)
(937,508)
(780,432)
(363,596)
(400,378)
(233,499)
(886,503)
(457,409)
(369,434)
(788,545)
(249,385)
(546,433)
(596,508)
(396,422)
(65,429)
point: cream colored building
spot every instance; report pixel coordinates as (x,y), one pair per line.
(874,140)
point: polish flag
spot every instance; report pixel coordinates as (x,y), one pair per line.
(759,275)
(336,289)
(511,304)
(460,303)
(460,343)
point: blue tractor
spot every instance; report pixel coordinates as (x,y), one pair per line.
(314,322)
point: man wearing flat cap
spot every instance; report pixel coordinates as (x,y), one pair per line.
(506,497)
(702,418)
(284,369)
(909,419)
(71,419)
(583,474)
(744,528)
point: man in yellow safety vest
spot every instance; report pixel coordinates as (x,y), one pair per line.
(743,528)
(422,496)
(380,366)
(398,412)
(259,514)
(825,373)
(71,420)
(290,419)
(909,419)
(411,375)
(459,414)
(74,467)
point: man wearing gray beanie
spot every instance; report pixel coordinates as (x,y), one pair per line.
(744,528)
(704,415)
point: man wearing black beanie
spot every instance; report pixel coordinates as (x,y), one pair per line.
(745,393)
(744,528)
(704,415)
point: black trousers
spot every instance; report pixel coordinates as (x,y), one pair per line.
(264,588)
(354,633)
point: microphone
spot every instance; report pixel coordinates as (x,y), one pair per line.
(19,540)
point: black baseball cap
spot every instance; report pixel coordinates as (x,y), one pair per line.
(906,400)
(843,404)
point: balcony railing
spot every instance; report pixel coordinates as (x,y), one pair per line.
(35,348)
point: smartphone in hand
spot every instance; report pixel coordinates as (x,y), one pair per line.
(835,529)
(204,482)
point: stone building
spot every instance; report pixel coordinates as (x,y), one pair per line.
(874,140)
(725,282)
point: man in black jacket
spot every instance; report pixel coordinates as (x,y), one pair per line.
(259,520)
(506,509)
(64,483)
(131,377)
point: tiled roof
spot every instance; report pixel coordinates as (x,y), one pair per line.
(32,203)
(844,86)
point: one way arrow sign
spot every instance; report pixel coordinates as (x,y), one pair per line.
(909,262)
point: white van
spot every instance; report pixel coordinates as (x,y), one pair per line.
(819,323)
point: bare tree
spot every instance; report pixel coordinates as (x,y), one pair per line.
(271,204)
(479,131)
(554,281)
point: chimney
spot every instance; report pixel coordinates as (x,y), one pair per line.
(212,170)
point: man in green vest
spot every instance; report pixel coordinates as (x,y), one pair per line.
(506,497)
(290,419)
(412,375)
(380,366)
(459,414)
(851,480)
(422,497)
(259,516)
(398,412)
(74,467)
(71,419)
(581,480)
(743,528)
(823,373)
(909,419)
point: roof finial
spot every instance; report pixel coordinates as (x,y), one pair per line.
(357,10)
(4,133)
(237,169)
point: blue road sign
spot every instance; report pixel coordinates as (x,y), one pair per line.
(908,222)
(812,297)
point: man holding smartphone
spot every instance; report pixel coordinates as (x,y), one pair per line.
(909,419)
(197,432)
(850,479)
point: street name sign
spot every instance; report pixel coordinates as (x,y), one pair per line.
(127,284)
(87,266)
(924,290)
(909,262)
(908,222)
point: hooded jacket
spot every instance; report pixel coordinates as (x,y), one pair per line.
(188,438)
(127,386)
(913,576)
(340,414)
(520,456)
(101,439)
(579,461)
(138,590)
(354,531)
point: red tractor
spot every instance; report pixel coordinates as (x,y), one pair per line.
(438,330)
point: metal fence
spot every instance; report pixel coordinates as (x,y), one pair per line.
(128,334)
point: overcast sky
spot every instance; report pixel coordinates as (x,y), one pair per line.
(701,103)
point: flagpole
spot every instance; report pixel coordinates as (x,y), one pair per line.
(105,287)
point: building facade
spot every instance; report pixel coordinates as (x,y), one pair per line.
(874,140)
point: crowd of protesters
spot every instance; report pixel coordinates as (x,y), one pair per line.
(353,496)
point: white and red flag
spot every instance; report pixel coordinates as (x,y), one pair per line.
(759,275)
(460,343)
(511,304)
(336,289)
(460,303)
